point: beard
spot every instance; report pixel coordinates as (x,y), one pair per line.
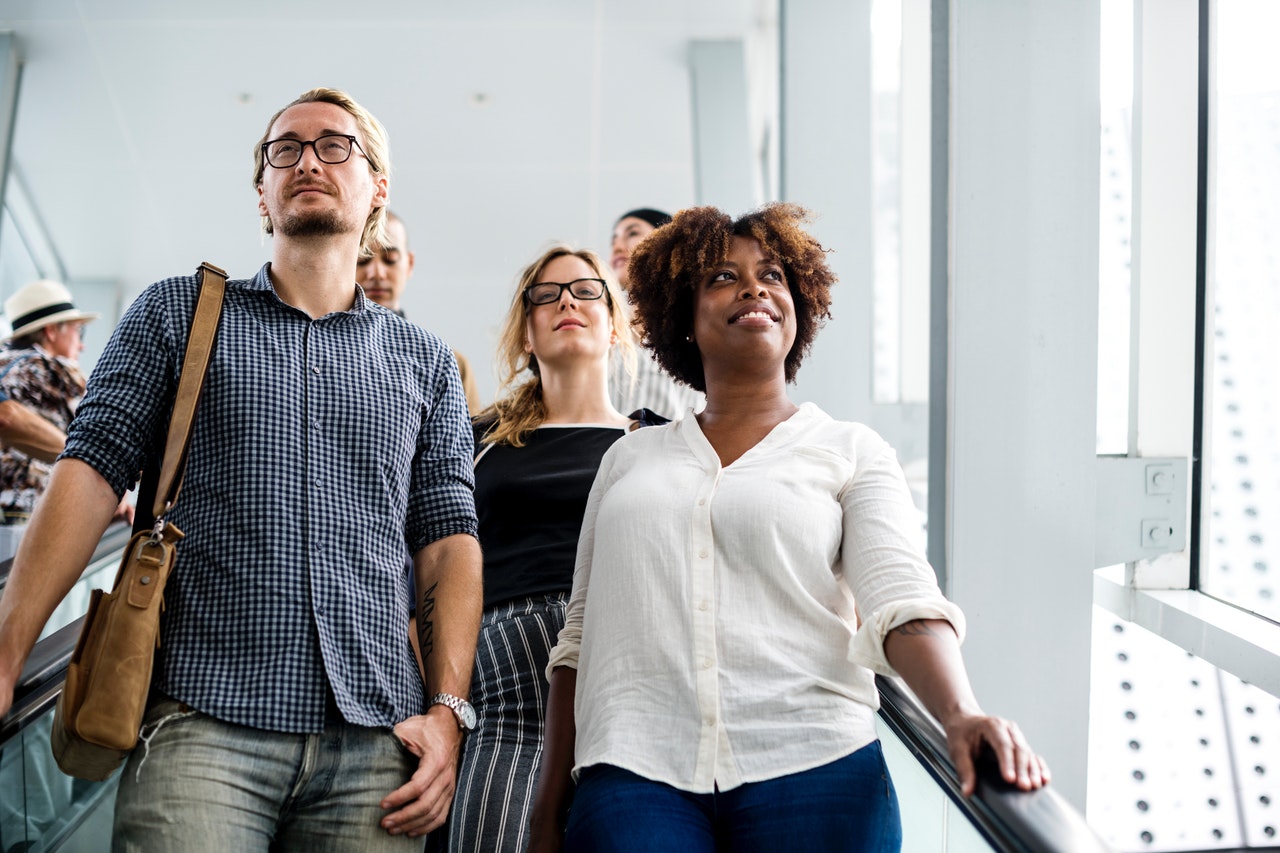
(314,223)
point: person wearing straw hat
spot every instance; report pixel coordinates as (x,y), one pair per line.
(39,369)
(22,428)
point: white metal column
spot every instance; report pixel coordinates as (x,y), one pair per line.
(826,166)
(1023,351)
(721,129)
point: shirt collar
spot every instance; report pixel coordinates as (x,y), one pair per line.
(262,283)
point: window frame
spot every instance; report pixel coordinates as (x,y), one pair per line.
(1171,295)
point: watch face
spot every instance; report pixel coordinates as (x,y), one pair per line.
(468,716)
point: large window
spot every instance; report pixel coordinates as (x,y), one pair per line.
(900,68)
(1240,548)
(1115,223)
(1181,755)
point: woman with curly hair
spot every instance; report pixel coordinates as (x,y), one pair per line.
(741,575)
(538,449)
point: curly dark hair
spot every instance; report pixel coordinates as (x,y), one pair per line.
(668,267)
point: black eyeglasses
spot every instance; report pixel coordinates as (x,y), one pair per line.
(332,148)
(546,292)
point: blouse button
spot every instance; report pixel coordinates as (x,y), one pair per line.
(703,553)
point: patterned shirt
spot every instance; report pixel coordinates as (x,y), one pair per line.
(49,386)
(321,450)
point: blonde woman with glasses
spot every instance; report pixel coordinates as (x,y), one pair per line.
(538,448)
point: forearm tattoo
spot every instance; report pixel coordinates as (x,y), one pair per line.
(426,628)
(917,627)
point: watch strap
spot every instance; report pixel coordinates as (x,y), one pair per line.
(456,704)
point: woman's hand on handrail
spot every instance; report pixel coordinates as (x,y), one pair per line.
(926,653)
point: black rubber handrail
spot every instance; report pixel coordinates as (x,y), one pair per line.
(1010,820)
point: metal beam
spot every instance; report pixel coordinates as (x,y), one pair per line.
(722,150)
(10,75)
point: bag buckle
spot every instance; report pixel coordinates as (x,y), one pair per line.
(157,529)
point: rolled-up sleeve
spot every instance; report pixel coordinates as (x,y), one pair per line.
(130,392)
(884,559)
(442,495)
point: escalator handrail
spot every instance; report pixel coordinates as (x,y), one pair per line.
(41,682)
(46,667)
(1009,819)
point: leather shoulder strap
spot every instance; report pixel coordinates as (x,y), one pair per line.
(195,364)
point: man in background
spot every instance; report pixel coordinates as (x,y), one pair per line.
(383,276)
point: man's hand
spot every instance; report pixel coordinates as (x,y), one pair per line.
(124,511)
(422,803)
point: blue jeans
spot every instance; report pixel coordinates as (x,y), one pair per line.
(847,805)
(198,784)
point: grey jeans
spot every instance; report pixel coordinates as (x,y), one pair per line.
(198,784)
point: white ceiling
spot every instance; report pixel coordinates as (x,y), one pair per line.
(513,123)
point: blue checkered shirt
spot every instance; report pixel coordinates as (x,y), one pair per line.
(322,448)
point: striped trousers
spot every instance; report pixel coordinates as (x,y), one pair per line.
(500,759)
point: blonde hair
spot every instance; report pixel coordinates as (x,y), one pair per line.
(374,144)
(519,408)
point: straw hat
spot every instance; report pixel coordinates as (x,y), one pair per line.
(39,304)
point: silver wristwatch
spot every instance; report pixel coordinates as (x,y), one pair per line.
(461,709)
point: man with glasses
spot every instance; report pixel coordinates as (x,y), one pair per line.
(287,709)
(383,274)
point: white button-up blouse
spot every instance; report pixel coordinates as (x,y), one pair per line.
(725,622)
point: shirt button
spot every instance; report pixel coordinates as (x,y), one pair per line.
(315,369)
(706,663)
(318,481)
(702,605)
(703,553)
(317,425)
(319,546)
(702,501)
(320,610)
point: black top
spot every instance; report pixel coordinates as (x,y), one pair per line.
(530,501)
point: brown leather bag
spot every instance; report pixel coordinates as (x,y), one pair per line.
(99,712)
